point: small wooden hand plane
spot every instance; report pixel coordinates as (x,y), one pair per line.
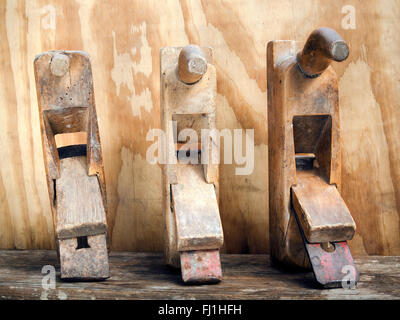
(193,232)
(306,209)
(75,175)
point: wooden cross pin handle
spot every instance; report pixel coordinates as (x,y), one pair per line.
(192,64)
(322,46)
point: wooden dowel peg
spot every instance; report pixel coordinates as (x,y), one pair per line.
(323,46)
(192,64)
(59,64)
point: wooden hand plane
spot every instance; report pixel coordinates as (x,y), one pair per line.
(75,175)
(193,230)
(309,221)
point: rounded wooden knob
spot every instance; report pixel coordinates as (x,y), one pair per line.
(192,64)
(322,46)
(59,64)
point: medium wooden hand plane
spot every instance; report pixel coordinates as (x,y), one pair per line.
(309,221)
(75,175)
(193,232)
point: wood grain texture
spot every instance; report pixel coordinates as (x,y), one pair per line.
(321,210)
(190,192)
(80,209)
(123,40)
(86,263)
(292,96)
(198,224)
(145,276)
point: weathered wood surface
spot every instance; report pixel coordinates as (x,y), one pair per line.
(76,185)
(145,276)
(190,194)
(89,262)
(298,107)
(123,40)
(198,224)
(322,212)
(74,174)
(79,205)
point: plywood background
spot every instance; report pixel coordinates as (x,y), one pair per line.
(123,39)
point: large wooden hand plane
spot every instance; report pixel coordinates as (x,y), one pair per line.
(193,232)
(75,175)
(309,221)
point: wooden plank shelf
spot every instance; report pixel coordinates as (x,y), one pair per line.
(144,276)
